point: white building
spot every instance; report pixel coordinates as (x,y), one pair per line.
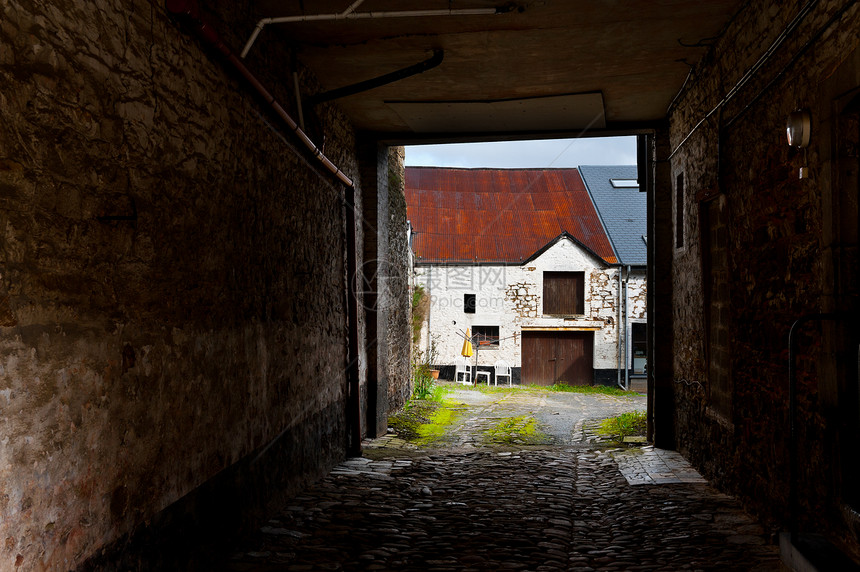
(522,259)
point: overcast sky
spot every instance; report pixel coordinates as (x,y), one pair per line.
(527,154)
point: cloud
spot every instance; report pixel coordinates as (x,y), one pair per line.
(527,154)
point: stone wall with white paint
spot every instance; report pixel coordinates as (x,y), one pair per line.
(511,297)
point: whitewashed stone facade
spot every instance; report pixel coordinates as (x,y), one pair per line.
(510,297)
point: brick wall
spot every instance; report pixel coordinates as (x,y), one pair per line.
(204,335)
(762,236)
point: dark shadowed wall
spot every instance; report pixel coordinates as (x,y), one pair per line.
(172,280)
(756,247)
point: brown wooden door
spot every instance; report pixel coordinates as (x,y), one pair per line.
(558,357)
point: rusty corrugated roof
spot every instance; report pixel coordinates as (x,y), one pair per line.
(499,215)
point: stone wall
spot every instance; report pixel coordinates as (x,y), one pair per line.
(172,278)
(754,255)
(385,284)
(399,334)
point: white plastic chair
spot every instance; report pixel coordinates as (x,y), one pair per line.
(461,367)
(502,370)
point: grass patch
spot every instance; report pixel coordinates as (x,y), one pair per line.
(590,389)
(415,412)
(424,421)
(562,388)
(437,426)
(438,393)
(625,425)
(521,430)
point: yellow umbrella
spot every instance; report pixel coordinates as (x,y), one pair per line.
(467,345)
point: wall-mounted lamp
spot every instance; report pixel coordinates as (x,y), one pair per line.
(797,128)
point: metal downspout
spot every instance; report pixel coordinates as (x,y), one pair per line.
(362,86)
(429,312)
(626,333)
(619,326)
(190,10)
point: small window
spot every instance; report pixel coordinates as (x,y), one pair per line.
(625,183)
(486,336)
(469,303)
(563,293)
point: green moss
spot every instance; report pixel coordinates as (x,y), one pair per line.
(425,421)
(438,426)
(415,413)
(521,430)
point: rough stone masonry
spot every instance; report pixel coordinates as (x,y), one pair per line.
(172,280)
(757,246)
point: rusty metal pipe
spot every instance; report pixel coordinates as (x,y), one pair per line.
(190,9)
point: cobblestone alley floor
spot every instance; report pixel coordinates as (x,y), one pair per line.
(572,502)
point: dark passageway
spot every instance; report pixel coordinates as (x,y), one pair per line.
(205,267)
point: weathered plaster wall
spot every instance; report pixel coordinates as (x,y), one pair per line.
(769,264)
(139,358)
(511,297)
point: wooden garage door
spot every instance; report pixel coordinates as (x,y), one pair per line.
(558,357)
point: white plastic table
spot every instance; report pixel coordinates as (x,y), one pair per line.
(478,375)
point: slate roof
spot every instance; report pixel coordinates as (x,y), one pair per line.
(622,210)
(499,215)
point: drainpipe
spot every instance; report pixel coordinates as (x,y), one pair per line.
(619,325)
(367,85)
(429,311)
(190,10)
(626,336)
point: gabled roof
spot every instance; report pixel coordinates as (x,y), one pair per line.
(499,215)
(623,210)
(565,235)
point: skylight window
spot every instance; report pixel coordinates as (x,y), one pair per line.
(625,183)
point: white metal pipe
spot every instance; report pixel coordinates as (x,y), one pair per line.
(353,6)
(349,14)
(429,295)
(626,333)
(380,15)
(618,326)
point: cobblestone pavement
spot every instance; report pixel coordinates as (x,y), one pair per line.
(574,504)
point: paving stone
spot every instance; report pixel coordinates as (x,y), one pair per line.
(564,505)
